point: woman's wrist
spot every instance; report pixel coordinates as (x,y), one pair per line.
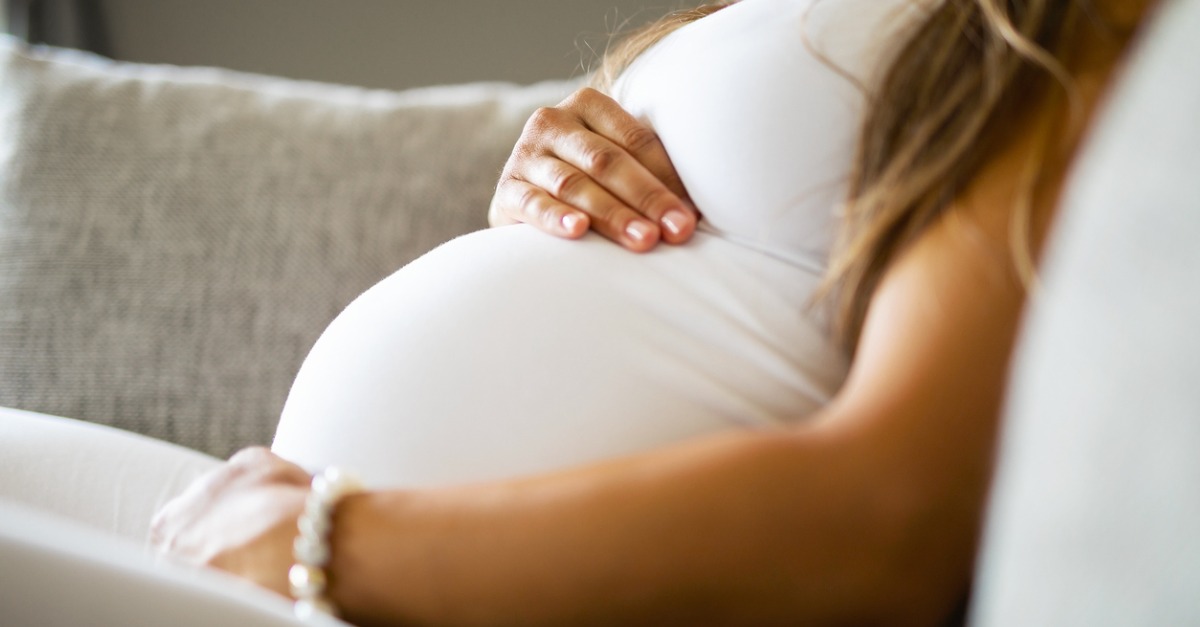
(376,568)
(425,557)
(308,577)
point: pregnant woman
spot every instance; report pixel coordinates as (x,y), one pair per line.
(507,353)
(564,432)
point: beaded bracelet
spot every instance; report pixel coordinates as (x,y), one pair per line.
(311,551)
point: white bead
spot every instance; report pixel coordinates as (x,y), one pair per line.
(310,551)
(314,506)
(333,483)
(321,486)
(315,526)
(307,608)
(306,582)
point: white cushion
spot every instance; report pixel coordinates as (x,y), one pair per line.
(57,573)
(109,479)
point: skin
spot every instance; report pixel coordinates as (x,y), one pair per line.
(868,514)
(587,163)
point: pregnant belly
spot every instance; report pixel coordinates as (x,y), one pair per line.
(508,352)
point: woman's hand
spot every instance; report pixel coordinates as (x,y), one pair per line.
(241,518)
(588,162)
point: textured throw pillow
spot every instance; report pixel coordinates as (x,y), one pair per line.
(173,240)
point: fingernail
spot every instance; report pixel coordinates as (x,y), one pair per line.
(675,221)
(570,221)
(638,231)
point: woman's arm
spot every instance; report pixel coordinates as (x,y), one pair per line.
(742,529)
(866,514)
(870,514)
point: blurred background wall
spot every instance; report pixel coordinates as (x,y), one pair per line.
(376,43)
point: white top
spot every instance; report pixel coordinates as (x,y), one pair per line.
(759,124)
(508,351)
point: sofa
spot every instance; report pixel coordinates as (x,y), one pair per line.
(173,240)
(172,243)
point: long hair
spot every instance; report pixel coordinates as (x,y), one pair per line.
(956,88)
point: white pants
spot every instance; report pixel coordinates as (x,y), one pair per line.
(75,505)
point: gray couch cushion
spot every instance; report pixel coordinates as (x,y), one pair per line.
(1096,510)
(172,241)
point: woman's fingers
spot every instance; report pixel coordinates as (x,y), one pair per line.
(633,198)
(606,214)
(240,517)
(661,192)
(537,207)
(587,162)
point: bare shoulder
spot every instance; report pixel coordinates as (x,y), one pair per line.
(943,320)
(946,312)
(934,352)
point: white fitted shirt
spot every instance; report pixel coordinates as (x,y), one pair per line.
(508,351)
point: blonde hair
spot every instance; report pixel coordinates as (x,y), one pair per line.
(957,87)
(628,47)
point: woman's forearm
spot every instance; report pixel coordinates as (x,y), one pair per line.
(744,528)
(869,514)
